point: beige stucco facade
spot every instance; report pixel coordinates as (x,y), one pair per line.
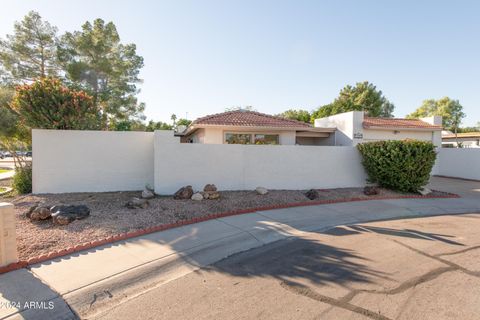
(378,134)
(216,135)
(350,130)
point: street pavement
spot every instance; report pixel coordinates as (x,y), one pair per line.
(424,268)
(100,281)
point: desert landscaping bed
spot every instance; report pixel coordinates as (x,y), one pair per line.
(109,216)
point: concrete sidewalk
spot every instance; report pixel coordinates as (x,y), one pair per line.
(92,280)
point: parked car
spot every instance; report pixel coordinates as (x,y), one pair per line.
(7,154)
(1,155)
(28,154)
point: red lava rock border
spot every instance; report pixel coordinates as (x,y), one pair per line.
(128,235)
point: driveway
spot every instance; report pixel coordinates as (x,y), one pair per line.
(464,188)
(421,268)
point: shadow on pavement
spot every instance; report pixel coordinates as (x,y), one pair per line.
(25,297)
(299,259)
(408,233)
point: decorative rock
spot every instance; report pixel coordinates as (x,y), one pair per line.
(183,193)
(62,220)
(65,214)
(30,210)
(197,196)
(370,190)
(261,190)
(424,191)
(147,194)
(312,194)
(135,203)
(39,213)
(209,188)
(213,195)
(204,194)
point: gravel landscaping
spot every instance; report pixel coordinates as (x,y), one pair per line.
(109,216)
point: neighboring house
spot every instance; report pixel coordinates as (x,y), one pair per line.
(354,127)
(465,139)
(249,127)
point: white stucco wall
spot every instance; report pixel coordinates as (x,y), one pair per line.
(91,161)
(459,163)
(389,134)
(350,130)
(244,167)
(349,127)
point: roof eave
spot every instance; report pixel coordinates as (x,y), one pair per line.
(403,128)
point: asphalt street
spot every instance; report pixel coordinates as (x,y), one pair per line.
(422,268)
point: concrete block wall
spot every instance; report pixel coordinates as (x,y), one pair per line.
(91,161)
(98,161)
(459,163)
(244,167)
(8,239)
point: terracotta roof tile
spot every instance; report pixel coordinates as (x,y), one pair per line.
(249,119)
(462,135)
(398,123)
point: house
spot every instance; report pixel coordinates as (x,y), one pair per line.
(354,127)
(250,127)
(465,139)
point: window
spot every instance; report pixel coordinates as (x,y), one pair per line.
(238,138)
(266,139)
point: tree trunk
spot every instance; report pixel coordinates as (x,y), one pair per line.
(456,137)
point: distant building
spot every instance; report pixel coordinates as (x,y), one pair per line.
(465,139)
(354,127)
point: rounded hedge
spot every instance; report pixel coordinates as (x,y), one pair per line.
(22,180)
(399,165)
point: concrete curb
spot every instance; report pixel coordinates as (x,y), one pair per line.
(128,235)
(457,178)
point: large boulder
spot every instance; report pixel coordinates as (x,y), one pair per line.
(212,195)
(137,203)
(197,196)
(210,188)
(261,190)
(39,213)
(312,194)
(65,214)
(148,194)
(183,193)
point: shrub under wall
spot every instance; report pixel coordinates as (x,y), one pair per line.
(399,165)
(22,180)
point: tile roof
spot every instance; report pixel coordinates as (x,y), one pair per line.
(249,118)
(398,123)
(462,135)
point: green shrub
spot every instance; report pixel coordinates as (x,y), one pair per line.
(22,180)
(399,165)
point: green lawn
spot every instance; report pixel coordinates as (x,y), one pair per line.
(2,189)
(3,170)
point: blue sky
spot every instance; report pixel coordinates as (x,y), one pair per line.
(204,56)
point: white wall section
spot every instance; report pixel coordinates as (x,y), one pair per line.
(91,161)
(97,161)
(244,167)
(459,163)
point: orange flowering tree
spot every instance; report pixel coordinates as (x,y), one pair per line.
(47,104)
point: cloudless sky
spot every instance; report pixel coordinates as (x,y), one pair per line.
(204,56)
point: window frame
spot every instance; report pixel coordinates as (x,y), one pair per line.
(252,137)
